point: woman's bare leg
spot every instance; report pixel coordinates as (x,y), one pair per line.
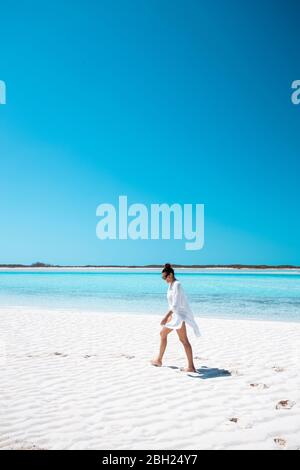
(187,347)
(163,344)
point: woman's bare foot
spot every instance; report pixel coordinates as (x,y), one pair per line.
(188,369)
(156,362)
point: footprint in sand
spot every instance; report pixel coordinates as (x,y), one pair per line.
(259,386)
(234,420)
(235,372)
(280,442)
(127,356)
(242,422)
(17,444)
(285,405)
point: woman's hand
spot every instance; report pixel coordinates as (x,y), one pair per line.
(166,318)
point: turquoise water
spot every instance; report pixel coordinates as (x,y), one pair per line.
(264,296)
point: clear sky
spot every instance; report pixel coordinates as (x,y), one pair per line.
(160,100)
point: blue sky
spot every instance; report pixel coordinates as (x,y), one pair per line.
(163,101)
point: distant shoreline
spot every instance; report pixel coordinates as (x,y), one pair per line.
(152,266)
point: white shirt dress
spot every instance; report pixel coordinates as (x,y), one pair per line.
(181,310)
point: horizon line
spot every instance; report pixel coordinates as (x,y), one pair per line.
(203,266)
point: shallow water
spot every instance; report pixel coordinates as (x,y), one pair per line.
(252,295)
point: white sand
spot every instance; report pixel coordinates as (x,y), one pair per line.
(83,381)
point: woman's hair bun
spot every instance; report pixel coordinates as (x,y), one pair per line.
(168,269)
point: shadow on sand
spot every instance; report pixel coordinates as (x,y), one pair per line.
(206,372)
(210,373)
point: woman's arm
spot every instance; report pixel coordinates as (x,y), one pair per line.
(176,297)
(175,303)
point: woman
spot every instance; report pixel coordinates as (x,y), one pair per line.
(176,319)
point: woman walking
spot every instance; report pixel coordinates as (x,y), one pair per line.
(177,317)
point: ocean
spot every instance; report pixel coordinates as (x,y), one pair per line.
(271,295)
